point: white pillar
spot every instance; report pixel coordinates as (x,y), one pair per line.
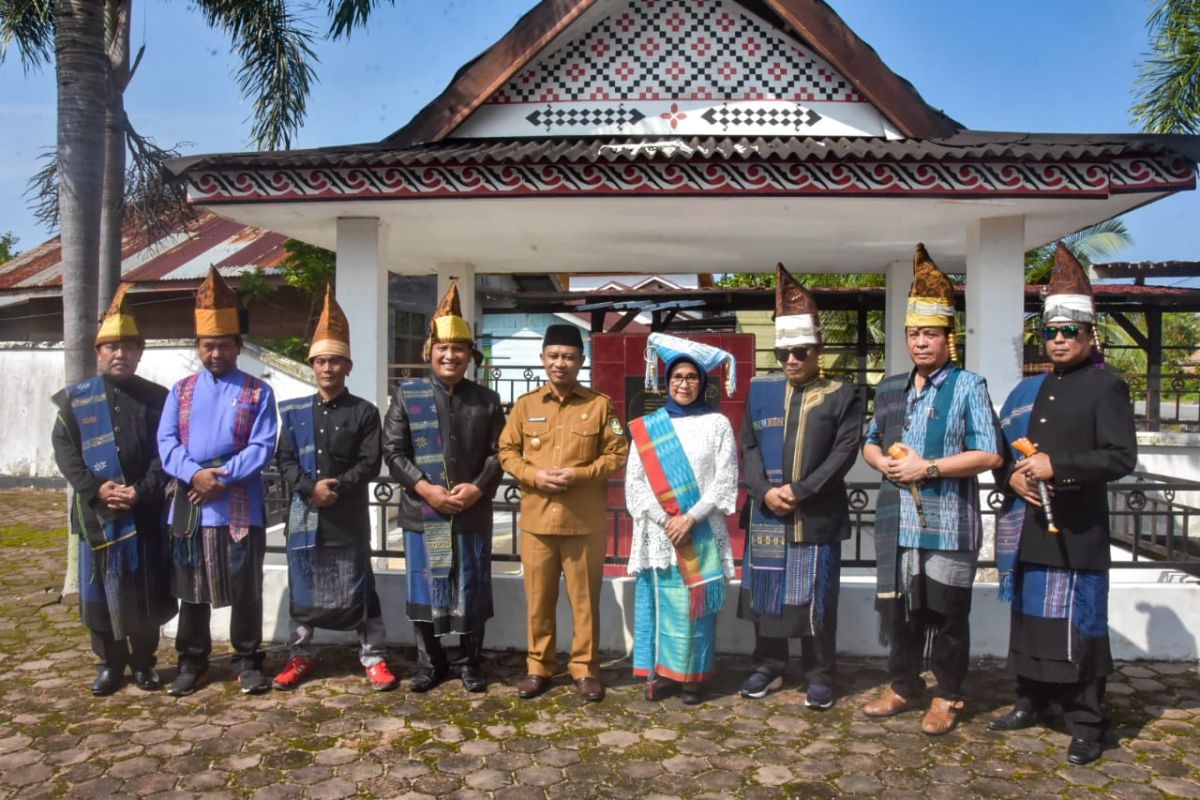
(996,302)
(362,292)
(447,273)
(895,348)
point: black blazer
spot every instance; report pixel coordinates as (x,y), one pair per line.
(832,437)
(1083,420)
(470,419)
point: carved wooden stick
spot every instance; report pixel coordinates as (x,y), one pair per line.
(1028,449)
(896,451)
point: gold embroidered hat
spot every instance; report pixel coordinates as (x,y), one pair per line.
(1069,297)
(216,307)
(797,320)
(332,336)
(931,296)
(119,324)
(449,326)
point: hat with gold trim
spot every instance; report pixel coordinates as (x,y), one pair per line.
(216,307)
(119,324)
(449,326)
(931,296)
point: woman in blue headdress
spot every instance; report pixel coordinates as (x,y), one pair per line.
(680,484)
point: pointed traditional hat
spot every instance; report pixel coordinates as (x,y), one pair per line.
(707,357)
(797,321)
(216,307)
(332,336)
(1069,296)
(931,297)
(119,323)
(449,325)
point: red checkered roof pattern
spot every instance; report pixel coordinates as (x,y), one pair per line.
(678,50)
(184,254)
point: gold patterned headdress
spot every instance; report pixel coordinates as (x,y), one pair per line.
(119,323)
(216,307)
(449,326)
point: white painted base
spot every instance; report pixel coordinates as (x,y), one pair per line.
(1147,619)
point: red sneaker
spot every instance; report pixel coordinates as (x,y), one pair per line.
(381,678)
(296,670)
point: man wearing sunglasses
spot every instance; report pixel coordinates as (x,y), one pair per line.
(799,439)
(1052,540)
(933,431)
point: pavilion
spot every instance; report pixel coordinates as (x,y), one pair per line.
(660,136)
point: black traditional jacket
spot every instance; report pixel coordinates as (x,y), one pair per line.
(347,435)
(470,419)
(1083,420)
(831,440)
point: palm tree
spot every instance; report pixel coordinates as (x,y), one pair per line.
(1102,240)
(1168,88)
(90,43)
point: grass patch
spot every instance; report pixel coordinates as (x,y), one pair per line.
(23,535)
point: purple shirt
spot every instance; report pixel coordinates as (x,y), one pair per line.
(210,435)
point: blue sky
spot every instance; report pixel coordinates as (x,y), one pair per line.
(1021,65)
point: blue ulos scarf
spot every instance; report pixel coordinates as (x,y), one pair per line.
(298,418)
(89,403)
(430,456)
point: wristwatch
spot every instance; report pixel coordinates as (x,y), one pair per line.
(932,470)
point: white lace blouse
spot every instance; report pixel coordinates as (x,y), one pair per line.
(710,448)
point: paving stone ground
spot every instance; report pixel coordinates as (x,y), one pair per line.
(333,738)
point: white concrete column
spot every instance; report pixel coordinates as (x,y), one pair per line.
(450,271)
(362,292)
(996,302)
(895,349)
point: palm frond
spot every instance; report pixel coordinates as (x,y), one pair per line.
(346,15)
(275,48)
(27,25)
(1168,86)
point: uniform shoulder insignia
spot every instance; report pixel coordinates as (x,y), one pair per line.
(614,425)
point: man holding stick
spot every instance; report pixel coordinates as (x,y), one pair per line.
(1074,429)
(932,432)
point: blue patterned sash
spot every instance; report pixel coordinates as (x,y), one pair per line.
(430,456)
(89,404)
(1014,423)
(299,419)
(674,483)
(768,535)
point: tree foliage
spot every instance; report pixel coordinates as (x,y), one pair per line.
(1167,98)
(1102,240)
(8,246)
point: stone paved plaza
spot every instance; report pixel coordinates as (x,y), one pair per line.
(333,738)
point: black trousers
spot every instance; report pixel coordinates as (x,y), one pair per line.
(431,656)
(193,640)
(1080,703)
(136,651)
(949,656)
(818,655)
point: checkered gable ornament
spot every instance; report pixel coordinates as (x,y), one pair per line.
(668,348)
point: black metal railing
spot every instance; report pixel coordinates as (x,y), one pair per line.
(1148,521)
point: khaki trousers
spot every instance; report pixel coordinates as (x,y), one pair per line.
(580,559)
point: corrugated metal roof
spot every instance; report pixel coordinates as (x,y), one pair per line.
(966,145)
(183,255)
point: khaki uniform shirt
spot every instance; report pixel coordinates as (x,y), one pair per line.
(581,432)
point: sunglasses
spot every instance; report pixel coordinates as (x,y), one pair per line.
(1050,332)
(782,353)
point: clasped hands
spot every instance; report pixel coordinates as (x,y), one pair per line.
(781,500)
(116,496)
(553,481)
(679,528)
(206,485)
(449,501)
(1027,473)
(908,470)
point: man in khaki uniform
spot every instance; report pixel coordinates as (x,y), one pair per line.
(562,441)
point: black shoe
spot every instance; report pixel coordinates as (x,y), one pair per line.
(1016,720)
(147,679)
(108,681)
(691,695)
(473,678)
(253,681)
(1084,751)
(425,680)
(661,688)
(185,683)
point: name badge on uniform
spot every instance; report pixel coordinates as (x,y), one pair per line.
(537,419)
